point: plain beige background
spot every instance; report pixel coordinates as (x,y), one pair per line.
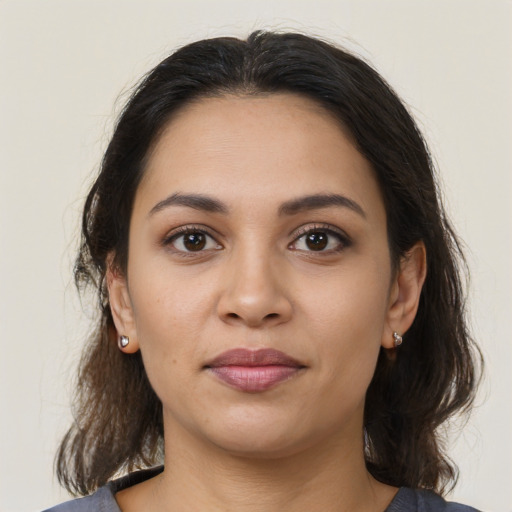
(63,67)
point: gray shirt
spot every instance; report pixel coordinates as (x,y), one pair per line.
(103,500)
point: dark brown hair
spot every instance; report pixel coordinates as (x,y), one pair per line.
(118,417)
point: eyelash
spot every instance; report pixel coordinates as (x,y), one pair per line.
(187,230)
(331,231)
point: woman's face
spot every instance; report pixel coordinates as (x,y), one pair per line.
(258,225)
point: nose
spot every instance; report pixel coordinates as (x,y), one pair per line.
(253,292)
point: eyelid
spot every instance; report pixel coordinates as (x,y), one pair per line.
(303,230)
(185,229)
(345,240)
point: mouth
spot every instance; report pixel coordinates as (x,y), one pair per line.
(254,371)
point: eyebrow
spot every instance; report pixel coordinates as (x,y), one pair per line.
(317,201)
(195,201)
(292,207)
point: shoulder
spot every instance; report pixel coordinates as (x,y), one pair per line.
(409,500)
(103,500)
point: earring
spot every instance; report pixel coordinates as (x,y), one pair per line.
(123,341)
(397,339)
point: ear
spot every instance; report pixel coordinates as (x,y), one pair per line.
(121,306)
(405,293)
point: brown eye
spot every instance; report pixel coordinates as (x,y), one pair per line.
(194,241)
(317,241)
(322,240)
(191,240)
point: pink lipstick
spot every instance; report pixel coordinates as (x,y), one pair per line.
(253,371)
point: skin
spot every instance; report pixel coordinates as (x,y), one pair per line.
(257,283)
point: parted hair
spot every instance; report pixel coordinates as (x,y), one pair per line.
(433,375)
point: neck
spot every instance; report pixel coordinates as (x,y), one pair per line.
(198,476)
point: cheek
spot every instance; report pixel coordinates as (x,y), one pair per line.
(353,301)
(169,311)
(164,294)
(345,317)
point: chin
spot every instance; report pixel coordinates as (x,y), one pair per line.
(261,449)
(271,439)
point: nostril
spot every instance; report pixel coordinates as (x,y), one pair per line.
(235,316)
(254,310)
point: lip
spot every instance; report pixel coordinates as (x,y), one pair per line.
(254,371)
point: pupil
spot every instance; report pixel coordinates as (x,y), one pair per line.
(194,241)
(316,241)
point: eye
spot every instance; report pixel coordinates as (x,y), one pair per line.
(320,239)
(190,239)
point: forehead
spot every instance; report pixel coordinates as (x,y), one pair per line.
(248,147)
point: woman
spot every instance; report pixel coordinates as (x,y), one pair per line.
(281,308)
